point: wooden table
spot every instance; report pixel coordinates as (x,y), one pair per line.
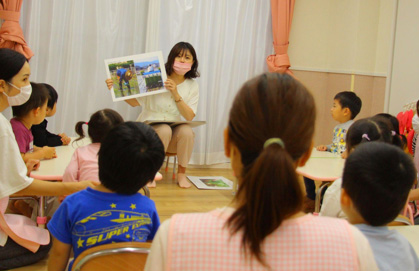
(322,166)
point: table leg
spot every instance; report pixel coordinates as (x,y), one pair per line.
(41,219)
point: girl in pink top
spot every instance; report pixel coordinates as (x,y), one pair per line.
(269,134)
(84,164)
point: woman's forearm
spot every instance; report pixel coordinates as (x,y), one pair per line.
(132,102)
(46,188)
(185,110)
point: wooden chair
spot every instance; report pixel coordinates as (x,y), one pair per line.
(116,256)
(168,155)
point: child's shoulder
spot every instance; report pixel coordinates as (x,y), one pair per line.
(15,122)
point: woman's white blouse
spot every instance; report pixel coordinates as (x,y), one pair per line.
(163,106)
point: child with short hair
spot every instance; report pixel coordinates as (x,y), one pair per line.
(346,106)
(25,115)
(362,131)
(83,164)
(129,157)
(41,136)
(376,182)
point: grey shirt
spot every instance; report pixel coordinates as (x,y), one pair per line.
(392,251)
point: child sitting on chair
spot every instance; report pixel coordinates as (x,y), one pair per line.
(129,157)
(41,136)
(362,131)
(376,182)
(25,115)
(346,106)
(83,164)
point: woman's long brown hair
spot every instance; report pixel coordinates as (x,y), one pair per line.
(269,106)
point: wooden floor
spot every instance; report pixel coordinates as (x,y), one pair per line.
(171,199)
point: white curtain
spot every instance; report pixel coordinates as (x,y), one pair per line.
(71,39)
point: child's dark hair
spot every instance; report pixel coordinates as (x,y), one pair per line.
(178,49)
(11,63)
(53,96)
(348,99)
(38,98)
(129,157)
(368,130)
(99,124)
(378,178)
(397,140)
(269,106)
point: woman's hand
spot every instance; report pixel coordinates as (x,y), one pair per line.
(109,83)
(171,86)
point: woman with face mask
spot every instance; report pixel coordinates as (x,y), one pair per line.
(181,100)
(21,241)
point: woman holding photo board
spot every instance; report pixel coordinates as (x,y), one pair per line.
(181,100)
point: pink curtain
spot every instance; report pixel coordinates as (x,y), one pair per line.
(11,34)
(281,11)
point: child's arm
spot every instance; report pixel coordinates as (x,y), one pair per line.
(59,255)
(40,153)
(42,137)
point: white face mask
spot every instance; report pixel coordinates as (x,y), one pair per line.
(22,97)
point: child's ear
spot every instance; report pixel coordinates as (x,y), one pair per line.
(2,85)
(36,111)
(345,200)
(346,111)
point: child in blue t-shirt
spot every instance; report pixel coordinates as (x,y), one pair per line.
(114,211)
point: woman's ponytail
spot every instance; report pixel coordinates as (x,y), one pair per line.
(271,193)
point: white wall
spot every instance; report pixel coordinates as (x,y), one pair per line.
(351,36)
(405,70)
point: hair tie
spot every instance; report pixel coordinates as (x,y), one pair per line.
(86,123)
(275,140)
(366,137)
(393,133)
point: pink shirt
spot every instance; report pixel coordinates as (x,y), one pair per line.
(202,242)
(83,165)
(23,135)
